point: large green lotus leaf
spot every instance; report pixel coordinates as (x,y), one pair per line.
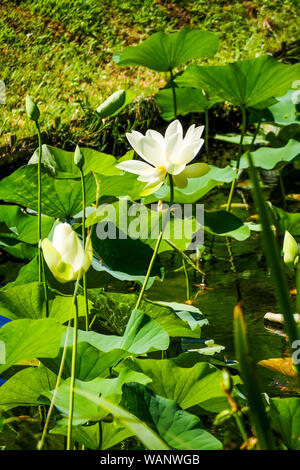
(251,83)
(188,100)
(28,301)
(142,335)
(18,231)
(17,249)
(286,221)
(84,409)
(284,112)
(144,432)
(165,51)
(119,186)
(115,103)
(90,361)
(196,188)
(60,198)
(61,163)
(182,232)
(223,223)
(88,435)
(25,387)
(116,309)
(144,225)
(268,158)
(187,386)
(23,226)
(285,419)
(113,433)
(178,428)
(28,273)
(236,138)
(188,314)
(27,339)
(133,229)
(125,259)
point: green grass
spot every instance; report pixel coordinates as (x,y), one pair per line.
(60,52)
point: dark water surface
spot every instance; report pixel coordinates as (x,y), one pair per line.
(217,303)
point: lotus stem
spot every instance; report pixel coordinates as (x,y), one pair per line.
(174,94)
(240,151)
(45,287)
(139,300)
(187,259)
(41,268)
(84,247)
(59,375)
(187,283)
(39,201)
(256,130)
(171,189)
(206,132)
(73,374)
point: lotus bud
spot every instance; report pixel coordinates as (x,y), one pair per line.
(65,256)
(78,157)
(227,381)
(32,109)
(290,250)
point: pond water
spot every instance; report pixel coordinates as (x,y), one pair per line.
(217,302)
(218,299)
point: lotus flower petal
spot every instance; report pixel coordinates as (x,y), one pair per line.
(65,256)
(165,154)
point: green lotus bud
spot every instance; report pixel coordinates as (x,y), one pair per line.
(222,417)
(32,109)
(65,256)
(78,157)
(290,250)
(227,381)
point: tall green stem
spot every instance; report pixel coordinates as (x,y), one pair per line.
(206,132)
(240,151)
(173,93)
(171,182)
(187,283)
(156,248)
(186,258)
(39,201)
(73,374)
(84,247)
(60,372)
(140,298)
(45,286)
(41,268)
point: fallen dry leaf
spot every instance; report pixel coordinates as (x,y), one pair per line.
(283,365)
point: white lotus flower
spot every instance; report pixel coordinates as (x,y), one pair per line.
(65,256)
(165,155)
